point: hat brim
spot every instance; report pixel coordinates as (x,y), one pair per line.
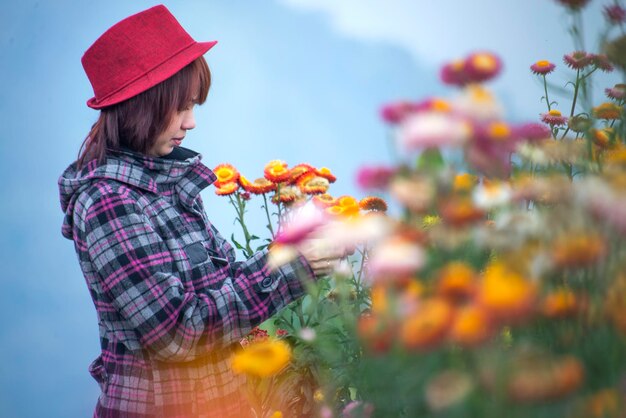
(153,77)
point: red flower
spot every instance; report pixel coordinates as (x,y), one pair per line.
(542,67)
(615,14)
(482,66)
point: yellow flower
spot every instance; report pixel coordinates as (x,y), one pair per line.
(310,183)
(471,326)
(318,396)
(262,359)
(225,189)
(559,304)
(456,281)
(225,173)
(324,200)
(276,171)
(505,293)
(326,173)
(464,182)
(277,414)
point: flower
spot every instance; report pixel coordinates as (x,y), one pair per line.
(453,73)
(376,332)
(259,186)
(615,14)
(276,414)
(299,170)
(560,303)
(577,60)
(262,359)
(604,403)
(324,200)
(358,409)
(394,113)
(456,282)
(554,118)
(395,258)
(427,326)
(489,195)
(373,203)
(579,123)
(446,389)
(345,206)
(276,171)
(532,132)
(464,182)
(225,173)
(504,293)
(459,211)
(617,92)
(578,249)
(374,177)
(608,111)
(307,334)
(281,332)
(615,301)
(471,326)
(326,173)
(482,66)
(542,67)
(602,62)
(286,194)
(310,183)
(573,4)
(416,193)
(226,189)
(478,104)
(303,223)
(431,129)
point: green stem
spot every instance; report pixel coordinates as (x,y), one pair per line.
(269,218)
(240,207)
(545,89)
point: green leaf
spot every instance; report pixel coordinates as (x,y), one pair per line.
(430,160)
(237,244)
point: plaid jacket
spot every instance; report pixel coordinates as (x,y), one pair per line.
(172,302)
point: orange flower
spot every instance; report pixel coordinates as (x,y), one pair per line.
(471,326)
(299,170)
(608,110)
(373,203)
(560,304)
(428,325)
(225,173)
(543,380)
(226,188)
(456,282)
(259,186)
(459,211)
(326,173)
(324,200)
(309,183)
(603,403)
(504,293)
(345,206)
(578,249)
(464,182)
(276,171)
(376,332)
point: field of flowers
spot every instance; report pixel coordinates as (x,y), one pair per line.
(498,289)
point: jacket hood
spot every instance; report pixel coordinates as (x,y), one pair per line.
(181,171)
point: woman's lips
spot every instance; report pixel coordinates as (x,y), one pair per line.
(177,141)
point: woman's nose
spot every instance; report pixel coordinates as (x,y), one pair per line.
(189,121)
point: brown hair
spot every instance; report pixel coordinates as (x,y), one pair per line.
(135,123)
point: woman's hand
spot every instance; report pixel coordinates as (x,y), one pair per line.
(322,256)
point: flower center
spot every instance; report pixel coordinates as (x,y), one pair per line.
(554,112)
(543,63)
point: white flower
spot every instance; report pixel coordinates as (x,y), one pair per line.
(432,129)
(478,103)
(494,194)
(307,334)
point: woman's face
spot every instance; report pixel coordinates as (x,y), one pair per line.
(174,134)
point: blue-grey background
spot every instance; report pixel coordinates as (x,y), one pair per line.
(299,80)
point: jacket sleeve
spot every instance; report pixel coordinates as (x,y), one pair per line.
(138,276)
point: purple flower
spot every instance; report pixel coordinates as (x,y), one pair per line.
(615,14)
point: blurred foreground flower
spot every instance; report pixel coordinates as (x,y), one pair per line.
(262,359)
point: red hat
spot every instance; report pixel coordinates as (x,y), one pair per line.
(138,53)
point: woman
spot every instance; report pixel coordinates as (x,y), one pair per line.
(171,300)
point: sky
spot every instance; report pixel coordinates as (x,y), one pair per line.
(297,80)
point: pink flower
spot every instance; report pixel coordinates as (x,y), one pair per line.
(395,258)
(542,67)
(532,132)
(374,177)
(482,66)
(430,129)
(394,113)
(577,59)
(617,92)
(615,14)
(303,224)
(553,118)
(453,73)
(358,409)
(602,62)
(281,332)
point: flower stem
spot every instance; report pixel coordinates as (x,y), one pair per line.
(269,218)
(545,89)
